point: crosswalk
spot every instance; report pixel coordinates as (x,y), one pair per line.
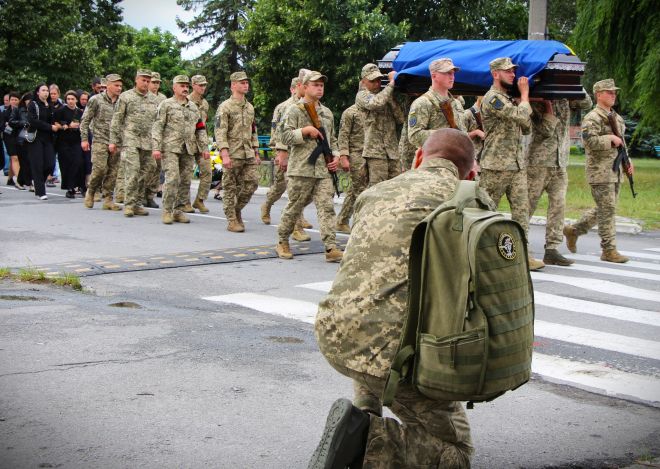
(597,325)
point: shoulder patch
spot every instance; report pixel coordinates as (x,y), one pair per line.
(496,103)
(273,124)
(506,246)
(412,120)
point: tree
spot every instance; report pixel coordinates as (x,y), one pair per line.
(336,38)
(622,40)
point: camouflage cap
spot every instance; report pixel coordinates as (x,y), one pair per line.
(371,72)
(294,82)
(502,63)
(605,85)
(181,79)
(112,77)
(155,76)
(198,80)
(238,76)
(104,81)
(314,76)
(302,72)
(143,72)
(443,65)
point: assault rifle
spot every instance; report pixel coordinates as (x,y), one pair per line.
(622,155)
(323,146)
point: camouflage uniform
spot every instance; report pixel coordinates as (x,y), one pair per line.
(308,182)
(426,116)
(179,134)
(351,141)
(548,159)
(131,130)
(205,170)
(406,149)
(152,180)
(605,183)
(97,117)
(236,131)
(279,180)
(471,123)
(502,160)
(358,325)
(381,146)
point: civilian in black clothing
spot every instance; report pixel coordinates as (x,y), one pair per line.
(18,121)
(9,137)
(41,151)
(68,145)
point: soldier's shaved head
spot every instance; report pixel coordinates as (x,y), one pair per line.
(452,145)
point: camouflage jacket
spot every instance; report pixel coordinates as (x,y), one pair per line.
(551,142)
(97,117)
(359,322)
(202,106)
(131,123)
(350,138)
(504,125)
(236,129)
(426,116)
(596,132)
(276,125)
(301,147)
(179,129)
(471,124)
(160,97)
(381,116)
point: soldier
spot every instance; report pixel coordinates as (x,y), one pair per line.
(601,144)
(381,115)
(309,182)
(359,325)
(179,134)
(97,117)
(502,160)
(548,159)
(131,130)
(236,136)
(472,119)
(280,180)
(152,181)
(205,174)
(351,142)
(406,149)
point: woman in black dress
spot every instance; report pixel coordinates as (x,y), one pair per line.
(41,152)
(68,145)
(19,121)
(9,137)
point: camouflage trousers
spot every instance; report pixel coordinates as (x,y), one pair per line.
(121,173)
(431,433)
(138,164)
(514,185)
(554,181)
(302,191)
(205,176)
(278,187)
(239,183)
(104,170)
(178,169)
(152,181)
(605,196)
(358,184)
(380,169)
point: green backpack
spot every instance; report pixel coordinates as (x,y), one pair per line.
(470,326)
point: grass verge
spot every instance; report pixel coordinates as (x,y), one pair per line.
(32,275)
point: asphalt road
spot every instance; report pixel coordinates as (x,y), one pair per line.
(201,352)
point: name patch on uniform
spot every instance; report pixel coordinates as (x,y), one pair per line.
(412,120)
(506,246)
(496,103)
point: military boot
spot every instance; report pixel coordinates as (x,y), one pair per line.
(333,255)
(612,255)
(188,208)
(180,217)
(235,227)
(571,235)
(108,204)
(128,211)
(239,219)
(305,224)
(344,439)
(119,198)
(552,257)
(89,199)
(300,235)
(283,250)
(343,228)
(151,203)
(97,197)
(265,214)
(535,264)
(199,205)
(167,217)
(139,210)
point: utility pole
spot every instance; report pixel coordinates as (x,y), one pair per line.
(538,19)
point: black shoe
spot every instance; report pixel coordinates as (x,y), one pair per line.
(10,182)
(70,194)
(344,438)
(151,204)
(159,194)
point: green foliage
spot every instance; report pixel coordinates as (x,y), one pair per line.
(336,38)
(621,40)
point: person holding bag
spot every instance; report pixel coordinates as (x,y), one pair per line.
(19,122)
(41,153)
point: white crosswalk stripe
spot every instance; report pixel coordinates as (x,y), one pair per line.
(642,255)
(555,358)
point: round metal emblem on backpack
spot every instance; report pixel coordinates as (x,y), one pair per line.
(507,246)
